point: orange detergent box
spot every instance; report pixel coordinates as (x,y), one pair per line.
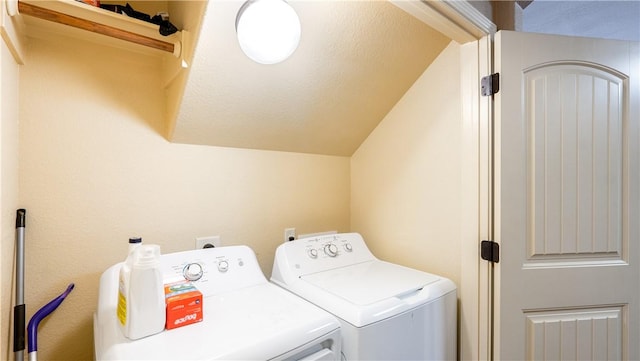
(184,304)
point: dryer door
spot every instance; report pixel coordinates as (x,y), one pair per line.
(322,355)
(327,348)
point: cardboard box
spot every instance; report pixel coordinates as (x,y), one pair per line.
(91,2)
(184,304)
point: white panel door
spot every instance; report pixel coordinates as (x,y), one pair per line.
(567,207)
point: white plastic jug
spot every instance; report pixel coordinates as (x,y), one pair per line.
(141,305)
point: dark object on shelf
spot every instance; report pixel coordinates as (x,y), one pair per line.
(166,28)
(115,8)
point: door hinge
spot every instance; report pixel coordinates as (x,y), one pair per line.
(490,84)
(490,251)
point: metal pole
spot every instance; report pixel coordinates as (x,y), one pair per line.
(19,314)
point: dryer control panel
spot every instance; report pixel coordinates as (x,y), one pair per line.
(214,270)
(321,253)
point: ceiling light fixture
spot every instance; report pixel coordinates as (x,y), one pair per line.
(268,30)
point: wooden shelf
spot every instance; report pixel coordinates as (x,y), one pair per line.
(101,21)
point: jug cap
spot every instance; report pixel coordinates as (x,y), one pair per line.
(135,240)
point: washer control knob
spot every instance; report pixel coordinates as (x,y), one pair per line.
(223,266)
(313,253)
(348,247)
(192,272)
(331,250)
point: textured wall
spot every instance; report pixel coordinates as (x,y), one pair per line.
(405,178)
(8,191)
(598,19)
(95,169)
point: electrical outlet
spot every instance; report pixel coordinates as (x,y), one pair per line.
(208,242)
(289,234)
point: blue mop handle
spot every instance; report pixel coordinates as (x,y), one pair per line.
(32,328)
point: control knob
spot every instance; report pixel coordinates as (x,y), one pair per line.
(223,266)
(313,253)
(192,272)
(331,250)
(348,247)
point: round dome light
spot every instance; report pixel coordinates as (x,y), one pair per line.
(268,30)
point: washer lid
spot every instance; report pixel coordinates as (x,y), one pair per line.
(370,282)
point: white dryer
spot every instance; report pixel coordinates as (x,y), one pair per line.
(244,316)
(387,311)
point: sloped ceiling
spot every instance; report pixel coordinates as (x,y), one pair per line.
(355,61)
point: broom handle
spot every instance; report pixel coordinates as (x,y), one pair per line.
(19,312)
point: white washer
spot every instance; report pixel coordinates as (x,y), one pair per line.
(244,316)
(387,311)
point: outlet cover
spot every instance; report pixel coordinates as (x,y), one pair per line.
(289,234)
(203,242)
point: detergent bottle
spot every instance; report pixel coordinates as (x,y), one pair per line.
(123,283)
(141,306)
(134,242)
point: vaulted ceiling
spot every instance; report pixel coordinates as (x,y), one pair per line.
(355,60)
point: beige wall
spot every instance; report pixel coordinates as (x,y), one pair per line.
(94,170)
(8,190)
(405,178)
